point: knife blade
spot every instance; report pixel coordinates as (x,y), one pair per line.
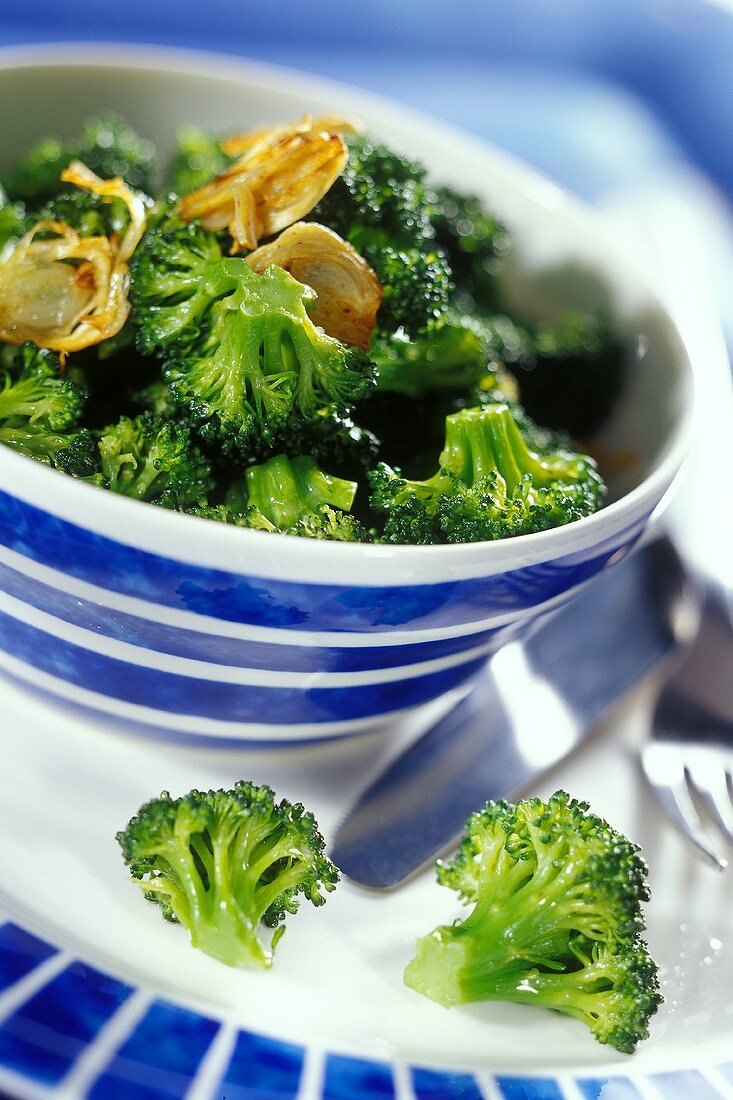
(536,701)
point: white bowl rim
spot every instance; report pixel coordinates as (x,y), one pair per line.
(216,545)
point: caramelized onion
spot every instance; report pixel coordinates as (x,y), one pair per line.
(349,293)
(67,292)
(278,178)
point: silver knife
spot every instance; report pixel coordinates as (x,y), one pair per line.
(535,702)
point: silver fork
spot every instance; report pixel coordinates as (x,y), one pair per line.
(688,759)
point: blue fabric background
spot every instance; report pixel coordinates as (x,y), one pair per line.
(538,76)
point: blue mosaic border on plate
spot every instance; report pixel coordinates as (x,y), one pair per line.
(72,1009)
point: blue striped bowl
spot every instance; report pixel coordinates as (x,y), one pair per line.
(192,630)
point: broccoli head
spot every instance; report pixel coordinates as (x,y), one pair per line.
(416,286)
(226,863)
(154,459)
(556,920)
(241,354)
(490,484)
(197,160)
(39,412)
(106,144)
(475,243)
(12,222)
(571,373)
(380,197)
(450,355)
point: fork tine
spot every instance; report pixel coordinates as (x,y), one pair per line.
(713,783)
(669,782)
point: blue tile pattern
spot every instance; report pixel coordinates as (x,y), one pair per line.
(356,1078)
(429,1084)
(529,1088)
(262,1069)
(44,1036)
(20,952)
(687,1083)
(159,1059)
(608,1088)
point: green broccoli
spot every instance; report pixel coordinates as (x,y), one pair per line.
(151,458)
(241,354)
(197,160)
(490,484)
(453,354)
(13,223)
(380,198)
(556,921)
(39,412)
(292,496)
(571,373)
(106,144)
(225,863)
(475,242)
(416,286)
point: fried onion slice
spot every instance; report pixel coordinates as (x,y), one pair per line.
(278,179)
(349,293)
(67,292)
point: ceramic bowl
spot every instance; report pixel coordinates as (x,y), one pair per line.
(189,629)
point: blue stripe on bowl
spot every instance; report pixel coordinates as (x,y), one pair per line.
(686,1083)
(43,1037)
(356,1078)
(274,603)
(175,735)
(160,1058)
(262,1069)
(529,1088)
(428,1084)
(269,656)
(175,694)
(607,1088)
(20,952)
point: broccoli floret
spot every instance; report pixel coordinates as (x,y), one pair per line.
(12,222)
(241,354)
(556,921)
(107,145)
(89,214)
(155,398)
(39,412)
(381,197)
(225,863)
(153,459)
(490,484)
(416,285)
(197,160)
(570,373)
(450,355)
(296,497)
(475,243)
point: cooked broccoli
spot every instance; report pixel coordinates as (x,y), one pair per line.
(241,353)
(380,198)
(570,373)
(416,287)
(198,158)
(556,921)
(39,412)
(154,459)
(12,222)
(475,243)
(106,144)
(490,484)
(292,496)
(334,440)
(450,355)
(89,214)
(225,863)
